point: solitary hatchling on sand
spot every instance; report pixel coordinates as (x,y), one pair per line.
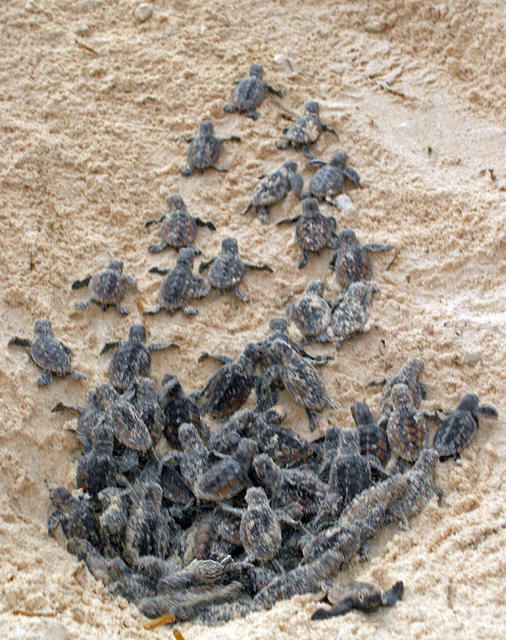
(227,269)
(178,227)
(305,131)
(350,312)
(273,188)
(180,286)
(107,287)
(351,261)
(358,595)
(312,314)
(458,427)
(329,180)
(132,357)
(406,429)
(313,231)
(51,355)
(204,150)
(249,92)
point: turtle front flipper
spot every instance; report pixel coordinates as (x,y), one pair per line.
(204,223)
(44,378)
(157,248)
(19,342)
(216,168)
(148,223)
(339,610)
(287,220)
(110,345)
(393,595)
(304,259)
(326,127)
(79,284)
(276,92)
(258,267)
(229,108)
(75,375)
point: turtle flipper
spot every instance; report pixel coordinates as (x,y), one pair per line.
(110,345)
(19,342)
(393,595)
(44,378)
(156,248)
(79,284)
(339,610)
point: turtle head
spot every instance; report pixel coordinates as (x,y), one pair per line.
(175,203)
(278,325)
(246,449)
(347,238)
(290,167)
(266,469)
(315,286)
(229,245)
(310,207)
(206,128)
(280,350)
(116,265)
(255,496)
(400,395)
(256,70)
(313,108)
(106,395)
(427,460)
(470,402)
(339,159)
(349,441)
(60,497)
(185,257)
(170,384)
(361,413)
(42,328)
(137,333)
(360,291)
(188,436)
(413,369)
(332,438)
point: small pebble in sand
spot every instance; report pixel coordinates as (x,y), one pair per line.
(345,204)
(82,28)
(30,6)
(143,12)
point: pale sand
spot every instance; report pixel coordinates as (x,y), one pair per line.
(92,145)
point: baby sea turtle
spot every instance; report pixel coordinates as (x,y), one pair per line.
(51,355)
(89,418)
(132,357)
(107,287)
(351,261)
(350,473)
(178,227)
(329,180)
(408,375)
(204,149)
(230,386)
(349,315)
(300,379)
(273,188)
(373,440)
(229,476)
(312,314)
(260,529)
(97,469)
(75,516)
(227,269)
(178,409)
(180,286)
(406,429)
(358,595)
(313,231)
(458,428)
(143,395)
(305,131)
(249,92)
(193,460)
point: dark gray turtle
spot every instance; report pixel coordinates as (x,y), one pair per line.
(229,476)
(178,409)
(115,503)
(106,288)
(273,188)
(126,424)
(421,489)
(408,375)
(458,428)
(204,149)
(193,460)
(74,515)
(260,529)
(358,595)
(312,314)
(329,180)
(305,131)
(180,286)
(350,312)
(249,92)
(132,357)
(229,388)
(51,355)
(227,269)
(350,473)
(351,261)
(143,395)
(201,539)
(300,379)
(89,418)
(178,227)
(313,231)
(347,539)
(97,469)
(373,440)
(283,445)
(406,429)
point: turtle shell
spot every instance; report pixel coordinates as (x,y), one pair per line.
(128,427)
(304,384)
(455,432)
(313,232)
(203,152)
(374,441)
(107,287)
(131,359)
(174,487)
(407,434)
(226,271)
(49,354)
(352,264)
(179,410)
(303,487)
(348,318)
(312,315)
(223,481)
(179,229)
(338,538)
(260,533)
(228,390)
(305,130)
(284,445)
(361,595)
(177,289)
(327,181)
(349,475)
(271,189)
(248,94)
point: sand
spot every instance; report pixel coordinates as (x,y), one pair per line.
(91,130)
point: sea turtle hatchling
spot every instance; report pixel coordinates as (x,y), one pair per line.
(305,131)
(180,286)
(273,188)
(409,375)
(51,355)
(227,269)
(373,440)
(312,314)
(249,92)
(350,312)
(406,429)
(178,227)
(458,427)
(132,357)
(260,529)
(313,231)
(300,379)
(107,287)
(329,180)
(75,516)
(358,595)
(178,409)
(351,261)
(204,149)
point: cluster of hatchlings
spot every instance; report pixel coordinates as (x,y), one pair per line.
(233,520)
